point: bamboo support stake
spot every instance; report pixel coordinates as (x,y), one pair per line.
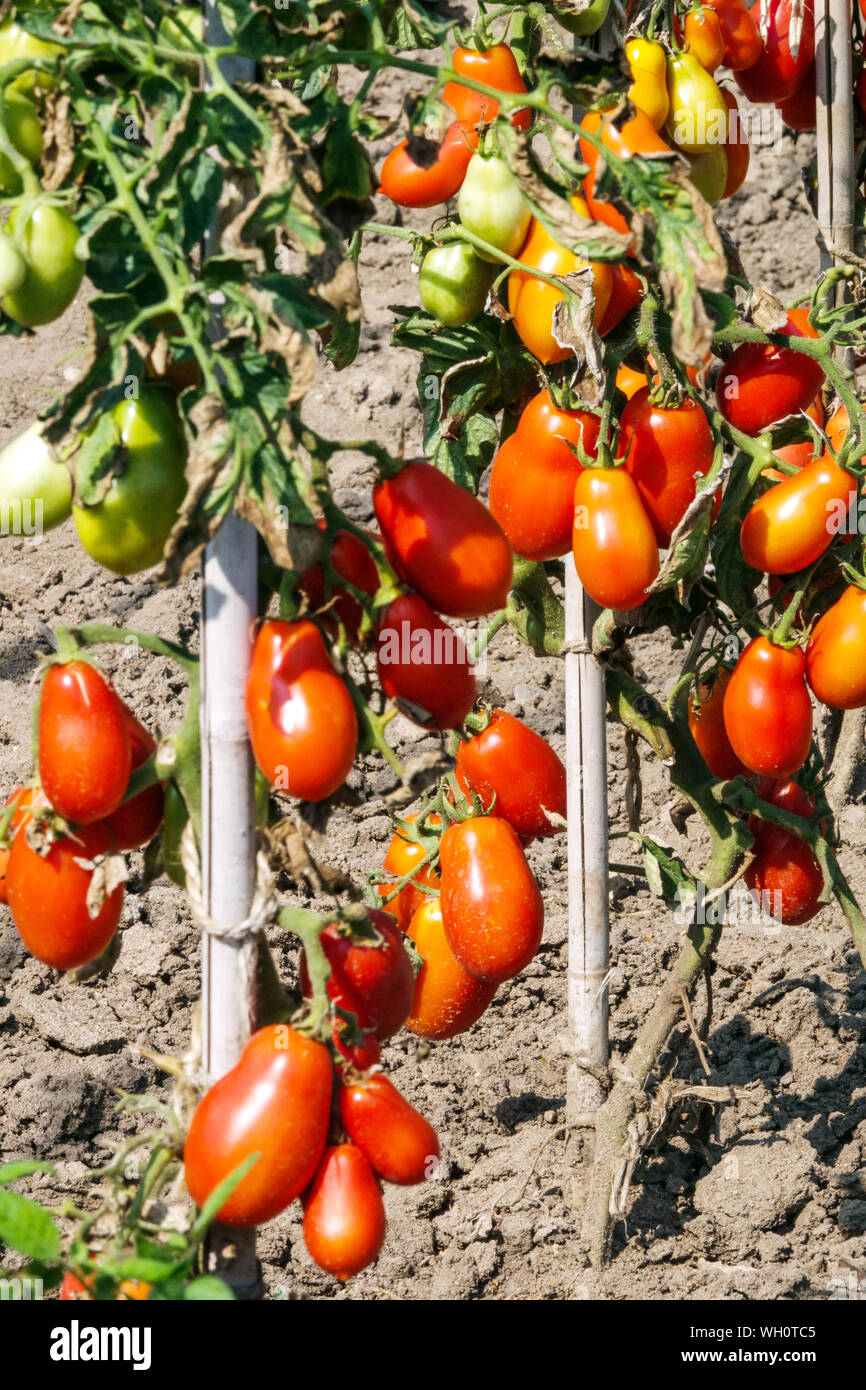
(835,127)
(229,605)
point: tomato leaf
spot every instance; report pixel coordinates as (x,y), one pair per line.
(208,1289)
(11,1172)
(27,1227)
(219,1196)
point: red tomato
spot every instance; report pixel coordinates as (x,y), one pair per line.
(798,455)
(635,136)
(28,798)
(768,714)
(443,541)
(743,45)
(48,896)
(760,384)
(707,728)
(344,1216)
(353,562)
(275,1101)
(84,753)
(613,541)
(402,855)
(448,1000)
(510,762)
(362,1055)
(533,477)
(408,180)
(792,524)
(300,716)
(626,292)
(836,653)
(372,980)
(799,111)
(736,147)
(664,451)
(135,822)
(777,74)
(398,1143)
(492,910)
(784,875)
(495,67)
(423,664)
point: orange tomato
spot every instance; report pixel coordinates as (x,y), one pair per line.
(613,541)
(836,653)
(635,136)
(448,1000)
(532,301)
(793,523)
(707,728)
(401,857)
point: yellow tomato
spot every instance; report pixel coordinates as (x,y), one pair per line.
(647,60)
(698,116)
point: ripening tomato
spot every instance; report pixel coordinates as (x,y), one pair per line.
(495,67)
(626,292)
(54,902)
(532,301)
(784,876)
(412,180)
(492,910)
(491,205)
(27,801)
(665,451)
(635,136)
(533,477)
(703,32)
(799,111)
(275,1101)
(371,979)
(398,1143)
(737,153)
(793,523)
(35,488)
(629,381)
(698,117)
(768,713)
(613,541)
(423,664)
(516,774)
(344,1216)
(707,728)
(443,541)
(350,560)
(399,860)
(836,652)
(709,173)
(448,1000)
(587,21)
(837,428)
(798,455)
(129,1290)
(47,239)
(743,45)
(300,716)
(778,74)
(136,821)
(84,750)
(648,62)
(760,384)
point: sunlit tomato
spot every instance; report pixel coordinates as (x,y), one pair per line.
(707,728)
(515,773)
(836,653)
(401,857)
(492,909)
(703,33)
(418,175)
(47,239)
(794,522)
(737,152)
(665,450)
(136,821)
(613,541)
(635,136)
(532,301)
(54,901)
(648,62)
(276,1102)
(626,292)
(448,1000)
(423,664)
(709,173)
(784,875)
(300,716)
(453,283)
(760,384)
(495,67)
(629,381)
(491,205)
(698,117)
(533,477)
(360,1055)
(777,74)
(742,41)
(27,800)
(798,455)
(799,111)
(344,1216)
(588,21)
(25,134)
(443,541)
(84,751)
(351,560)
(34,486)
(768,713)
(370,978)
(398,1143)
(837,428)
(16,42)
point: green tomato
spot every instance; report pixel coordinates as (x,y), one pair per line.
(709,173)
(34,488)
(589,21)
(13,267)
(15,42)
(172,36)
(48,241)
(25,133)
(127,530)
(453,283)
(491,205)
